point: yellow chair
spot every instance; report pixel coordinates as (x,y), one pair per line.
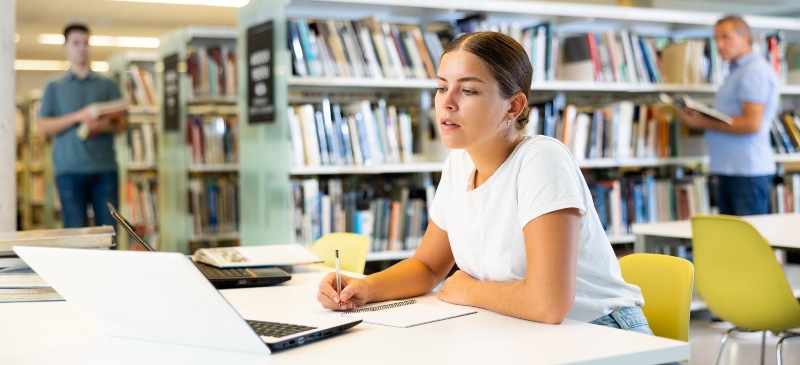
(352,250)
(666,283)
(741,281)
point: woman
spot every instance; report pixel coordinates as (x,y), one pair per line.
(512,211)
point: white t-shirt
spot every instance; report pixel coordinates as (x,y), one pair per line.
(485,225)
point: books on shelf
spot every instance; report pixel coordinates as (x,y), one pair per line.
(683,102)
(213,139)
(214,204)
(355,134)
(88,237)
(252,256)
(141,87)
(395,220)
(212,71)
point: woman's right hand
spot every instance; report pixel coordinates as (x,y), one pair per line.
(355,292)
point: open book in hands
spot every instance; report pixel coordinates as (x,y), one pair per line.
(106,108)
(683,102)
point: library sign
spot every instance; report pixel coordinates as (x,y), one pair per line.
(171,93)
(260,98)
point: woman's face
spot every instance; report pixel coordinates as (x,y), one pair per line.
(470,112)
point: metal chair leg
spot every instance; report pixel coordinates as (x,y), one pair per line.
(791,337)
(763,346)
(722,343)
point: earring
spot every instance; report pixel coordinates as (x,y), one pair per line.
(508,122)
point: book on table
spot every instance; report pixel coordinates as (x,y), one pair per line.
(87,237)
(683,102)
(252,256)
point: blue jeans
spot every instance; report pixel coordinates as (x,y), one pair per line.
(76,191)
(743,195)
(628,318)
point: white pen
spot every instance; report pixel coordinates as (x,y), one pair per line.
(338,279)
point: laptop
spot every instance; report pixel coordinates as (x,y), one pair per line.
(162,297)
(220,278)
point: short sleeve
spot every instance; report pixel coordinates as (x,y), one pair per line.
(440,198)
(113,92)
(549,180)
(47,105)
(755,85)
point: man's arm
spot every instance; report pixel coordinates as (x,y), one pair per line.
(747,123)
(50,126)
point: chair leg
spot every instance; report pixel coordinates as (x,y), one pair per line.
(763,346)
(790,336)
(722,343)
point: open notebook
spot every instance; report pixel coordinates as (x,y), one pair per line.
(407,313)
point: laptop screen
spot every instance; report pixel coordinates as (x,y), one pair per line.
(128,227)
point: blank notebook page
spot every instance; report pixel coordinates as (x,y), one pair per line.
(407,313)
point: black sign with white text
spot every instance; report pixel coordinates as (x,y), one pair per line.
(171,93)
(260,98)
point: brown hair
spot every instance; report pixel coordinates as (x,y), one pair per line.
(506,60)
(75,27)
(738,23)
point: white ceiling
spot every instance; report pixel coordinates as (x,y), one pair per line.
(106,17)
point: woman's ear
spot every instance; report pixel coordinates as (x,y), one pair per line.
(517,105)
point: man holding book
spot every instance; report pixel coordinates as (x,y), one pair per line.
(81,110)
(740,153)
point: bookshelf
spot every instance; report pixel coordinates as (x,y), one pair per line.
(134,73)
(40,207)
(198,194)
(266,216)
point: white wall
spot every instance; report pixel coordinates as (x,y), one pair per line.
(8,171)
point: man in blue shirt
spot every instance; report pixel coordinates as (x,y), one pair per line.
(85,169)
(740,154)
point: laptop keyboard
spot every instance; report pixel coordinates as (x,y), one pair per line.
(277,330)
(213,272)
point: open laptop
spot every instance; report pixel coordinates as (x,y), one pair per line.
(220,278)
(162,297)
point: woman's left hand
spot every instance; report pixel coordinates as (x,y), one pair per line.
(456,288)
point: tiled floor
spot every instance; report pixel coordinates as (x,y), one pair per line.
(740,350)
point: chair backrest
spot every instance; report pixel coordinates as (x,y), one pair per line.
(352,250)
(739,277)
(666,283)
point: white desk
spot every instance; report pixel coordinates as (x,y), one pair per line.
(780,230)
(53,333)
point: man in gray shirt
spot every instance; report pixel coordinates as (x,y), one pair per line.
(85,169)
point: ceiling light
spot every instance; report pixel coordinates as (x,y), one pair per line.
(54,65)
(224,3)
(40,65)
(105,41)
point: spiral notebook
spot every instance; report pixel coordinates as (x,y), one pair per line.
(407,313)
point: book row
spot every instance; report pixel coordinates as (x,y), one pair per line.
(394,219)
(618,130)
(214,205)
(141,207)
(212,71)
(355,134)
(142,144)
(368,48)
(213,139)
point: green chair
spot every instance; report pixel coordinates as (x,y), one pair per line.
(352,248)
(741,281)
(666,283)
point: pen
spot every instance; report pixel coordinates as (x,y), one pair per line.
(338,278)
